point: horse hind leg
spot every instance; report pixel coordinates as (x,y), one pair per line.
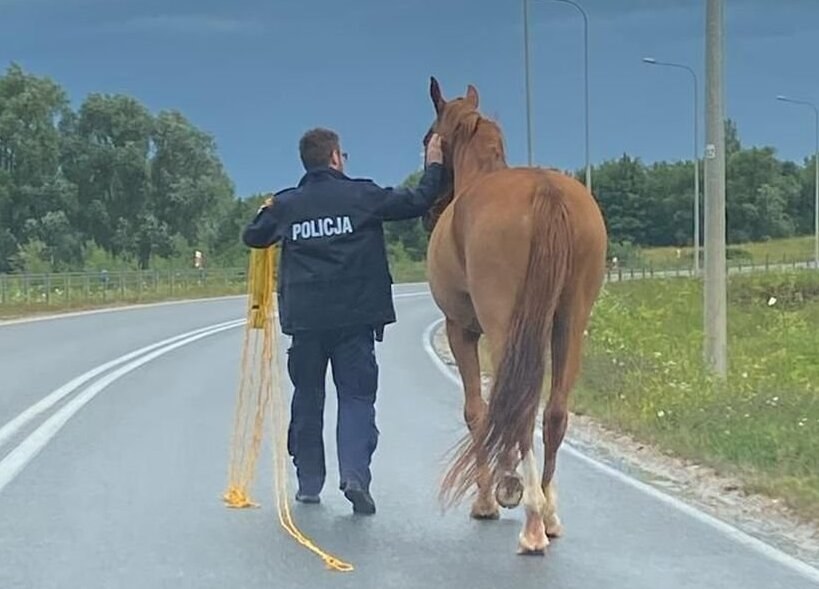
(567,341)
(464,346)
(533,538)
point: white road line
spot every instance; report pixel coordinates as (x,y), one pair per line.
(13,426)
(29,448)
(724,528)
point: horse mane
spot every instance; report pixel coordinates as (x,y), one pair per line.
(475,133)
(482,136)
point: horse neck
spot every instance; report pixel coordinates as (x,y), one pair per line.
(482,154)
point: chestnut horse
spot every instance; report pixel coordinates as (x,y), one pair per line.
(518,255)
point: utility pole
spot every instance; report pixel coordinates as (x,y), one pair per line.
(715,291)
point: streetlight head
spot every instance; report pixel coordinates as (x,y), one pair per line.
(781,97)
(649,60)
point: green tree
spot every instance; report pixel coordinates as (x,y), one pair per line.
(621,192)
(801,207)
(191,193)
(758,193)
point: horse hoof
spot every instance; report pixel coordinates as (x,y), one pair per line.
(529,547)
(485,516)
(554,528)
(484,507)
(509,491)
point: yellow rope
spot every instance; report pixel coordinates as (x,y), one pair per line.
(255,401)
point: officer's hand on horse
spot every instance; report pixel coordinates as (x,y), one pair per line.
(435,154)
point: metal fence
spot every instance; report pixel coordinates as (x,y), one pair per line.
(631,272)
(88,288)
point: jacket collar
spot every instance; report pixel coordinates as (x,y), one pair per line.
(320,174)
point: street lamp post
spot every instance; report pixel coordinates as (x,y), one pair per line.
(652,61)
(527,75)
(586,85)
(816,179)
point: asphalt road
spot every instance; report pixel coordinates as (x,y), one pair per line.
(124,491)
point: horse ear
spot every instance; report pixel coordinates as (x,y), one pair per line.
(435,93)
(472,95)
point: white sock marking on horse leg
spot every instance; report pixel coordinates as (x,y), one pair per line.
(554,527)
(533,536)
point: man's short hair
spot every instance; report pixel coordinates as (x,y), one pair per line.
(316,147)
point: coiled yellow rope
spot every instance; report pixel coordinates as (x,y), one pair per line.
(255,400)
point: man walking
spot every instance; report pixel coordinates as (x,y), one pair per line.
(335,297)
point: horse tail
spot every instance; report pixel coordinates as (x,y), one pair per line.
(510,420)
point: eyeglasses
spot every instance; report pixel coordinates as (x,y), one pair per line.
(344,155)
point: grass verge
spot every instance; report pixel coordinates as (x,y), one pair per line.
(643,374)
(20,310)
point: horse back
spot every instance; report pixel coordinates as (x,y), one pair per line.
(498,208)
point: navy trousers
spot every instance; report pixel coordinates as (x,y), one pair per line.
(351,354)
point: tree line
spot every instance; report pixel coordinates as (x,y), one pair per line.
(112,185)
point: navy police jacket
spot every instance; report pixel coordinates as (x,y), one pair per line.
(333,269)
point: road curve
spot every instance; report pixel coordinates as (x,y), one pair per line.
(127,492)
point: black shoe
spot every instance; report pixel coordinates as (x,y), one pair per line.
(305,498)
(362,500)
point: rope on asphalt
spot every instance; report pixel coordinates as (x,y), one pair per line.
(256,402)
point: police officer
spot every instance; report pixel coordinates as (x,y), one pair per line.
(335,297)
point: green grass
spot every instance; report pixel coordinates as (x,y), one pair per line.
(776,251)
(643,374)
